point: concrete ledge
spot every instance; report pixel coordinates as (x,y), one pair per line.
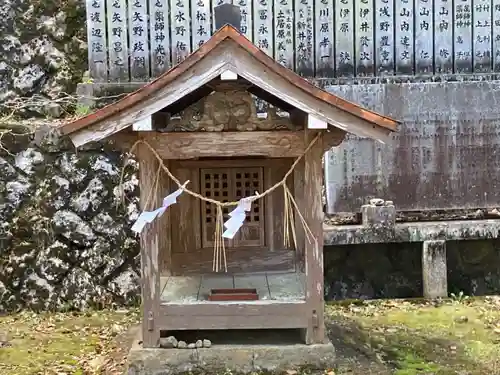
(412,232)
(97,95)
(239,359)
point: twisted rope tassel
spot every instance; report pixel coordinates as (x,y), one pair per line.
(286,220)
(219,259)
(289,219)
(308,232)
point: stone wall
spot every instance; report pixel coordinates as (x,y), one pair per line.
(63,241)
(43,54)
(64,234)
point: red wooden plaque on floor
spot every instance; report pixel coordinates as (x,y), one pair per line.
(233,295)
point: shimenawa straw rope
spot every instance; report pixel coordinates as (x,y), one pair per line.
(219,257)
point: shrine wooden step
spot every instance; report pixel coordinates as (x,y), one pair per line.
(235,294)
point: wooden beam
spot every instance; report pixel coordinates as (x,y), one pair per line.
(239,259)
(315,123)
(247,309)
(124,140)
(225,163)
(144,124)
(298,118)
(190,145)
(313,177)
(333,138)
(186,232)
(275,204)
(150,243)
(233,315)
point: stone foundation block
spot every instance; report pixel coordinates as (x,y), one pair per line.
(235,359)
(378,216)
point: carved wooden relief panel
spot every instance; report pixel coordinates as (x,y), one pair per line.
(231,110)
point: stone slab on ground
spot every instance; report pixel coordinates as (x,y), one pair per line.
(238,359)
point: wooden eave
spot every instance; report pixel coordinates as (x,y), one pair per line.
(228,49)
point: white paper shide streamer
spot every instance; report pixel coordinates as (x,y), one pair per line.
(147,217)
(237,217)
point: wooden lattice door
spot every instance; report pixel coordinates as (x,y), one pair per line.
(232,184)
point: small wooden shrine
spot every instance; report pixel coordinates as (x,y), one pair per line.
(196,129)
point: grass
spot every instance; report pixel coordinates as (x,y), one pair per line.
(461,336)
(57,343)
(404,338)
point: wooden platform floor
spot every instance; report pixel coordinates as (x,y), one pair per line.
(270,286)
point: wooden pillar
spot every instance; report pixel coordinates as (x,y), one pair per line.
(313,214)
(150,247)
(298,193)
(166,186)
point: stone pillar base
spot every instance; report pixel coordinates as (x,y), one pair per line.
(434,270)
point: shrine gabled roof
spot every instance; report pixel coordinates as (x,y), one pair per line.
(228,49)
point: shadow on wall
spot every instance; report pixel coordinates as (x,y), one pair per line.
(474,267)
(373,271)
(394,270)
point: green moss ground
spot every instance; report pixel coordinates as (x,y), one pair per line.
(69,343)
(405,338)
(385,337)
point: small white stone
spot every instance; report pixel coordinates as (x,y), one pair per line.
(169,342)
(207,343)
(377,202)
(26,159)
(494,212)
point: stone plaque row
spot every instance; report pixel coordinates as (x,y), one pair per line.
(139,39)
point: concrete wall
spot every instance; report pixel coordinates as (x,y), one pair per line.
(395,270)
(446,155)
